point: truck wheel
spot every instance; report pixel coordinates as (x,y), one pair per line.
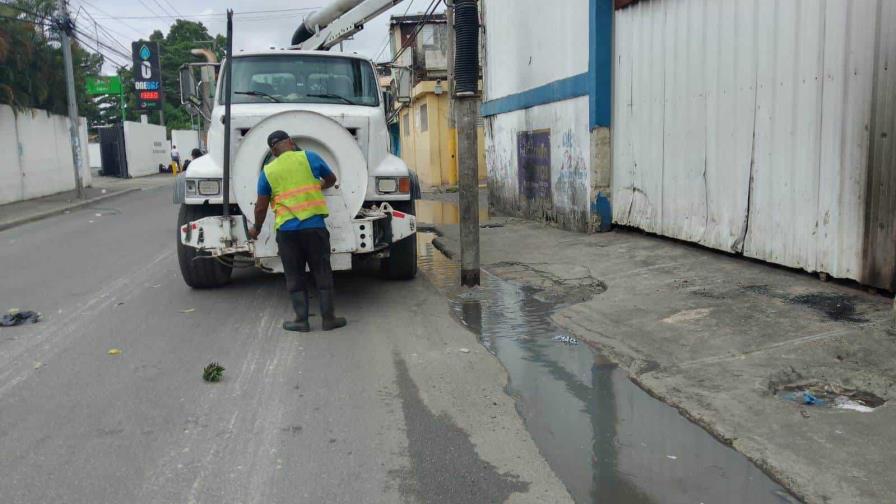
(201,273)
(402,261)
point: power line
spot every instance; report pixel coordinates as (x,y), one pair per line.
(173,8)
(110,34)
(420,25)
(214,14)
(101,11)
(389,33)
(163,8)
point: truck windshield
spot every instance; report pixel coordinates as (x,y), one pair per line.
(304,79)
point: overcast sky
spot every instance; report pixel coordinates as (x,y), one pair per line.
(128,21)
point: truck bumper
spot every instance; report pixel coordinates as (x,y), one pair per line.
(374,230)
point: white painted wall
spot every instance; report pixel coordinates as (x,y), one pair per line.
(744,125)
(36,154)
(530,43)
(96,157)
(186,141)
(570,157)
(147,147)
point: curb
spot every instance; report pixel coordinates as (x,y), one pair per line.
(443,247)
(57,211)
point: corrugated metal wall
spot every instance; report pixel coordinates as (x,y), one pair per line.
(750,126)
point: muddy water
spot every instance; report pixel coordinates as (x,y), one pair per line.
(607,440)
(440,212)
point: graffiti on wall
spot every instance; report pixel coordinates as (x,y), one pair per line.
(534,166)
(571,185)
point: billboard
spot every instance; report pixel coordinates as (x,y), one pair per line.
(147,75)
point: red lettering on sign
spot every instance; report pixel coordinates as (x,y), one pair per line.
(149,95)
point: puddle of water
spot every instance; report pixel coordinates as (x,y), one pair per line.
(443,212)
(607,440)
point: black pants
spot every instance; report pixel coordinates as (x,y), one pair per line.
(308,246)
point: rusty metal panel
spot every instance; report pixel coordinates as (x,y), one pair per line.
(743,125)
(879,245)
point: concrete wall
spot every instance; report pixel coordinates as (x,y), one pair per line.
(186,141)
(146,146)
(760,128)
(96,157)
(538,128)
(559,181)
(36,154)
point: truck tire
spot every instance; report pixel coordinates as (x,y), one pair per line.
(402,261)
(200,273)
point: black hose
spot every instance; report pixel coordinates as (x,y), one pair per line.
(301,34)
(466,56)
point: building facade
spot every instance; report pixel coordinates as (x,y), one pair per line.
(427,136)
(755,127)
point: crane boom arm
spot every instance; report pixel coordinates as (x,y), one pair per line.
(344,26)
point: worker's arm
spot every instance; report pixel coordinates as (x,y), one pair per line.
(322,170)
(261,212)
(264,192)
(329,180)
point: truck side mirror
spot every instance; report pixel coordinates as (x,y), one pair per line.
(189,92)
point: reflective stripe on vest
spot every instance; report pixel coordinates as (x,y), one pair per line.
(296,192)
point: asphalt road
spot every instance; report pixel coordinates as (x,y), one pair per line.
(387,410)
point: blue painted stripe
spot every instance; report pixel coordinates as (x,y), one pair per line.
(564,89)
(600,61)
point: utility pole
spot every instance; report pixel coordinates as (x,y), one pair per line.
(66,27)
(466,105)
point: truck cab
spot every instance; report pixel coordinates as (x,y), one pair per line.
(331,103)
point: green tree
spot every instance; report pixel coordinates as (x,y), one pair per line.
(31,60)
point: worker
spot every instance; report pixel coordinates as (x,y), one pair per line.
(292,184)
(196,153)
(175,156)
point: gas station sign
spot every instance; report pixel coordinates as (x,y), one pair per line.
(147,75)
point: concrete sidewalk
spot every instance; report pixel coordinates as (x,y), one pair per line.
(102,188)
(724,339)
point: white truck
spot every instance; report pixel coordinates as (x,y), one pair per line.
(328,102)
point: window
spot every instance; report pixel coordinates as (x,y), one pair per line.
(406,123)
(292,78)
(424,119)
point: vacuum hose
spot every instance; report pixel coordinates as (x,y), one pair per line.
(466,57)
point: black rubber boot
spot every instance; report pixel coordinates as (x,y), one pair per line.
(300,306)
(328,311)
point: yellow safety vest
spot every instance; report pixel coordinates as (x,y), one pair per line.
(296,192)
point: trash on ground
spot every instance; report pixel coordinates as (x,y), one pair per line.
(188,310)
(38,365)
(830,396)
(213,372)
(844,402)
(16,317)
(465,350)
(103,191)
(114,351)
(98,215)
(671,457)
(562,338)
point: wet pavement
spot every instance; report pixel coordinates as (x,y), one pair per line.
(607,440)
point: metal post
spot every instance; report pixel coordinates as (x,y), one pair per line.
(121,102)
(74,123)
(466,100)
(228,95)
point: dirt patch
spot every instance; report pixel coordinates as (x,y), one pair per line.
(828,395)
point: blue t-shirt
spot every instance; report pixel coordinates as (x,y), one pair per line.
(320,170)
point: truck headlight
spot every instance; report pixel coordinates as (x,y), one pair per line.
(209,187)
(392,185)
(191,187)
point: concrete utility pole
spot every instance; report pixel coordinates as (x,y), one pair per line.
(74,122)
(466,111)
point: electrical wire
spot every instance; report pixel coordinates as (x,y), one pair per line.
(271,12)
(389,33)
(101,11)
(421,24)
